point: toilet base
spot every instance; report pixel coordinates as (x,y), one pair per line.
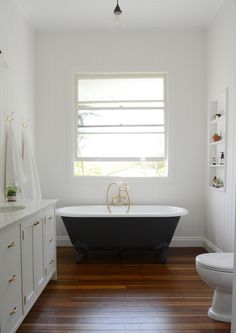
(221,308)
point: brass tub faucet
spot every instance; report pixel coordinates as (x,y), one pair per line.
(121,198)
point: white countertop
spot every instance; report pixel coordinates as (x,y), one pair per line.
(31,207)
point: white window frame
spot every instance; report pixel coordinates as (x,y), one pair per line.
(75,122)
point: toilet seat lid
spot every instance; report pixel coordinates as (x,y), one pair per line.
(223,262)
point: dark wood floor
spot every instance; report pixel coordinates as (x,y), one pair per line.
(133,293)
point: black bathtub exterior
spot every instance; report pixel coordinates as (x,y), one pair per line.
(121,233)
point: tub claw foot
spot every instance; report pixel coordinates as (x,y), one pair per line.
(161,253)
(163,259)
(79,257)
(81,250)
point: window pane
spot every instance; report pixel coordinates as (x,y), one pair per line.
(121,130)
(120,125)
(125,145)
(115,89)
(126,104)
(121,169)
(121,117)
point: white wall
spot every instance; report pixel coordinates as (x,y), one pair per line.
(221,205)
(232,74)
(16,84)
(182,55)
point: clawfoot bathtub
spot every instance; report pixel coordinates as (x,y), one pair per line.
(142,228)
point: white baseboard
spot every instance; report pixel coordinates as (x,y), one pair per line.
(186,242)
(209,246)
(63,241)
(176,241)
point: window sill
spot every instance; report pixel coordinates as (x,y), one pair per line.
(104,179)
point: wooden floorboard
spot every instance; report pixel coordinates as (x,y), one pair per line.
(125,293)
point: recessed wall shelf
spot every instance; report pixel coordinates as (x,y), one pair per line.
(216,120)
(217,138)
(220,189)
(217,142)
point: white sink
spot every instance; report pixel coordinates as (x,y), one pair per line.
(10,209)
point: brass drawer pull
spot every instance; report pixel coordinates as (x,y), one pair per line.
(51,262)
(12,279)
(12,244)
(50,240)
(36,223)
(14,311)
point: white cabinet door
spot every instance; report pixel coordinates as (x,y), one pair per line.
(33,270)
(10,280)
(38,242)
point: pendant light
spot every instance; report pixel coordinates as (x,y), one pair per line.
(117,11)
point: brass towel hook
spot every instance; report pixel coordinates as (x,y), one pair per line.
(25,124)
(10,117)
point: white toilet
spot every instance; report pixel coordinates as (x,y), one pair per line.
(216,269)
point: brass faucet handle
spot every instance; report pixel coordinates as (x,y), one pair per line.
(124,187)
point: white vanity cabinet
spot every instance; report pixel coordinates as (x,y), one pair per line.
(27,263)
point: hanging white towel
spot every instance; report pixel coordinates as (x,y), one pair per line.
(32,189)
(14,168)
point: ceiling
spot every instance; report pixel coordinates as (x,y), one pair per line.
(137,14)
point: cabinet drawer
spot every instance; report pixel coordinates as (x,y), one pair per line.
(11,259)
(51,253)
(50,224)
(50,214)
(10,241)
(51,250)
(50,241)
(12,307)
(51,264)
(50,230)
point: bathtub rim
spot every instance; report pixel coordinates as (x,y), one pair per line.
(69,211)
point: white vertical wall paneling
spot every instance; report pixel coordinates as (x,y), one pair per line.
(16,84)
(221,205)
(233,82)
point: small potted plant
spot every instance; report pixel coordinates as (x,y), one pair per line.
(216,137)
(11,191)
(217,182)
